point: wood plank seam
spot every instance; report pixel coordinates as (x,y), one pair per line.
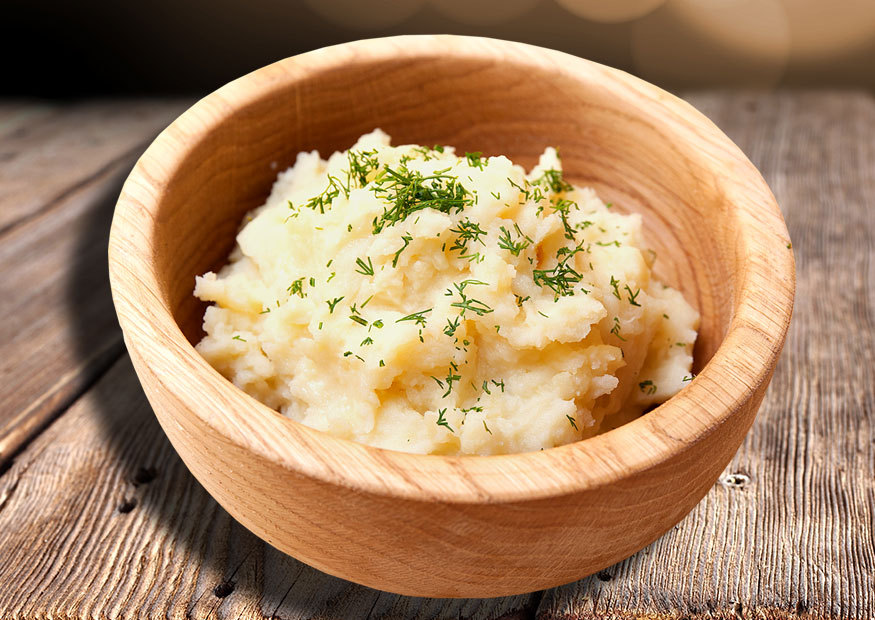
(103,365)
(58,199)
(80,368)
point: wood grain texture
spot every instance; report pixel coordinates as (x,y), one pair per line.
(48,152)
(785,533)
(100,518)
(59,180)
(440,525)
(790,527)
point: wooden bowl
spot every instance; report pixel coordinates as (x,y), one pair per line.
(455,526)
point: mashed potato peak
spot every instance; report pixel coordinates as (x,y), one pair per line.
(409,298)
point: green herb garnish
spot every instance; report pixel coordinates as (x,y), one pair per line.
(442,421)
(633,296)
(467,231)
(332,304)
(365,269)
(416,317)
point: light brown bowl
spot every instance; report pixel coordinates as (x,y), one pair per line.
(455,526)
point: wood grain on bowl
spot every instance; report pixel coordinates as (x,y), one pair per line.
(464,526)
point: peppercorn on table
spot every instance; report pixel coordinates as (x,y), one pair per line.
(100,518)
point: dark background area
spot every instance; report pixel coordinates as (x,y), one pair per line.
(98,47)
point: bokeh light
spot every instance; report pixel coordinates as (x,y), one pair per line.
(484,12)
(822,29)
(610,11)
(370,15)
(715,43)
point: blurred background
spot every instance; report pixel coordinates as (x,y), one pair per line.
(102,47)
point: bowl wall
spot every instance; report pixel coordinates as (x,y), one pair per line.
(443,526)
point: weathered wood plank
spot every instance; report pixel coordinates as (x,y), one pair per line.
(99,517)
(787,532)
(789,528)
(47,353)
(47,152)
(15,114)
(59,329)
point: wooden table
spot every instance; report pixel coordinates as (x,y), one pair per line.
(100,518)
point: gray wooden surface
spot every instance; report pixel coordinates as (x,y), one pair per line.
(99,517)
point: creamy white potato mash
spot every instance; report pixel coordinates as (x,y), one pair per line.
(411,298)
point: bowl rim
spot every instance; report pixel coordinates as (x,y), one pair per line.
(742,363)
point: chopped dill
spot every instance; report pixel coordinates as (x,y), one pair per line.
(358,319)
(406,239)
(452,326)
(648,387)
(323,201)
(442,421)
(474,305)
(361,165)
(615,284)
(332,304)
(561,279)
(476,257)
(562,207)
(633,296)
(416,317)
(616,329)
(467,231)
(552,178)
(514,247)
(451,378)
(297,287)
(366,269)
(409,191)
(475,160)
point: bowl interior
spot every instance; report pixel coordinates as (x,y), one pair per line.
(512,107)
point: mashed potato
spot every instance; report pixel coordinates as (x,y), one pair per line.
(412,299)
